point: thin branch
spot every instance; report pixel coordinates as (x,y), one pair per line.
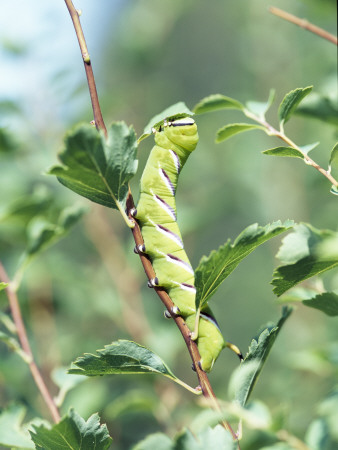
(280,134)
(303,23)
(21,331)
(99,122)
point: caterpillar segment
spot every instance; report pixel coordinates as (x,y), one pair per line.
(156,214)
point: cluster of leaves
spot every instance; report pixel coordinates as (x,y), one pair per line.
(100,170)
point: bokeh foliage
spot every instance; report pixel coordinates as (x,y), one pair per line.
(89,289)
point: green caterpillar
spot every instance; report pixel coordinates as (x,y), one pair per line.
(156,214)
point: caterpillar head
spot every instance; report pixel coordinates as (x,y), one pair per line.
(182,132)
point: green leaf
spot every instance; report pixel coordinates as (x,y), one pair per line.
(301,251)
(326,302)
(215,268)
(317,436)
(216,102)
(72,432)
(27,207)
(176,111)
(158,441)
(235,128)
(11,432)
(260,108)
(284,151)
(7,142)
(320,107)
(245,377)
(3,285)
(65,382)
(334,190)
(121,357)
(42,234)
(290,103)
(14,345)
(333,164)
(98,168)
(209,439)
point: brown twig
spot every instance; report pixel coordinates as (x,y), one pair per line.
(99,122)
(303,23)
(22,335)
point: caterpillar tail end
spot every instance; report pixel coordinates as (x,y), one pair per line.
(235,349)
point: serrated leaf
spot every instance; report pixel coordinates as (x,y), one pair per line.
(333,164)
(235,128)
(326,302)
(176,111)
(216,102)
(290,103)
(260,108)
(301,251)
(98,168)
(121,357)
(11,432)
(158,441)
(284,151)
(73,432)
(245,377)
(215,268)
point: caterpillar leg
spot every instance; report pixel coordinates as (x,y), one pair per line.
(174,311)
(139,249)
(153,282)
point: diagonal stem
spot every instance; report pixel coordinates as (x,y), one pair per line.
(99,122)
(271,131)
(303,23)
(21,331)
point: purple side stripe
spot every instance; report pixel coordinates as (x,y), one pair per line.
(166,207)
(176,161)
(167,181)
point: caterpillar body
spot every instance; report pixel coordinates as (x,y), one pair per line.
(156,214)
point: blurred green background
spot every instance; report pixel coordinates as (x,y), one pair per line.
(90,289)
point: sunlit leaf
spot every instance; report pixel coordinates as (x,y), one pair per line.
(98,168)
(284,151)
(72,432)
(245,377)
(158,441)
(290,103)
(12,433)
(260,108)
(300,252)
(215,268)
(121,357)
(235,128)
(3,285)
(216,102)
(317,436)
(333,164)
